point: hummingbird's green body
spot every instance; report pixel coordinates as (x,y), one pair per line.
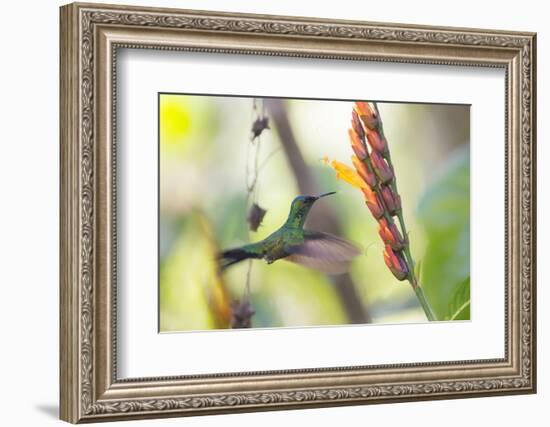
(273,247)
(291,241)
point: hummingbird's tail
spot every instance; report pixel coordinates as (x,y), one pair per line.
(233,256)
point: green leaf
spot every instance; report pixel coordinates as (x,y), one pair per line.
(459,306)
(444,212)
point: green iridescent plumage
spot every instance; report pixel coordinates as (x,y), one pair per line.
(321,251)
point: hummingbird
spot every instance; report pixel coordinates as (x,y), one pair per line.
(314,249)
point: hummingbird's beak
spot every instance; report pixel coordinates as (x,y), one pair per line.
(326,194)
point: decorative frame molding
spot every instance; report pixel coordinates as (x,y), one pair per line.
(90,36)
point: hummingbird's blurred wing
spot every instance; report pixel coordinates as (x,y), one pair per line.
(323,252)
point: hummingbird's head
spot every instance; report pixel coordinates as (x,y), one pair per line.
(307,201)
(301,206)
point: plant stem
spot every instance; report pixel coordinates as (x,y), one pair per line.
(424,303)
(412,278)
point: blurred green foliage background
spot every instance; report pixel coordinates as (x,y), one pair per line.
(204,149)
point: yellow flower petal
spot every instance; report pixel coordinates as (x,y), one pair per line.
(347,174)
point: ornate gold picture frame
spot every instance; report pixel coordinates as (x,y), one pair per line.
(91,35)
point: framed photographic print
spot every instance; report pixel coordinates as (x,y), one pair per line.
(267,212)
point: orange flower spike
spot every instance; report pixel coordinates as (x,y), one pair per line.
(381,167)
(391,200)
(373,202)
(396,263)
(390,235)
(364,172)
(358,145)
(367,114)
